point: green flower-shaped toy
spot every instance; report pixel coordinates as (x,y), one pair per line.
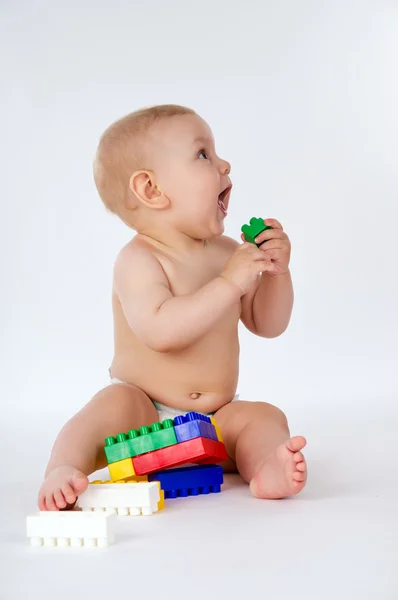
(254,229)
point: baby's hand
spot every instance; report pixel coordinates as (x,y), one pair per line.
(244,266)
(276,246)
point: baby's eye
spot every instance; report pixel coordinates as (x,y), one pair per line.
(202,152)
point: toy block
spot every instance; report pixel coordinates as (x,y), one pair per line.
(140,441)
(190,481)
(251,231)
(123,469)
(130,479)
(218,430)
(161,503)
(194,425)
(136,478)
(199,450)
(130,498)
(71,528)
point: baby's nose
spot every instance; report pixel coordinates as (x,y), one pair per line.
(226,168)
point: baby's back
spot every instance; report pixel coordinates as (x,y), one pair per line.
(202,376)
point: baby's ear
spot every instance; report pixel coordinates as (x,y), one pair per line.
(142,184)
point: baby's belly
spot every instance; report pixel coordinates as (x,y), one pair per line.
(202,378)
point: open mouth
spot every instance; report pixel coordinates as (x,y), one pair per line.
(223,198)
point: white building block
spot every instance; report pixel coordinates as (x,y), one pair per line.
(71,528)
(123,498)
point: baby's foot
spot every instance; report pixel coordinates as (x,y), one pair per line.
(61,488)
(283,473)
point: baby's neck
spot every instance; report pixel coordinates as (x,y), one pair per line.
(173,240)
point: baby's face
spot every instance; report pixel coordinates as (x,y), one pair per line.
(191,175)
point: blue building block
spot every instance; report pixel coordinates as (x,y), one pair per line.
(194,425)
(189,481)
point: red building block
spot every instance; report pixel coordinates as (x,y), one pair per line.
(199,450)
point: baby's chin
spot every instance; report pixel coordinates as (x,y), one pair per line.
(207,228)
(215,229)
(220,222)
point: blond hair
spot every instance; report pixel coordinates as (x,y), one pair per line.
(120,153)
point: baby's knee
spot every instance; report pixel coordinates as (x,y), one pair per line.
(245,413)
(269,411)
(125,403)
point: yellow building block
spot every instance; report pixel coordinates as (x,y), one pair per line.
(161,501)
(122,469)
(218,430)
(108,481)
(132,479)
(138,478)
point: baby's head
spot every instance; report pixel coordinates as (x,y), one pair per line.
(158,167)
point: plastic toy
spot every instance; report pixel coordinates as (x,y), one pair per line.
(199,450)
(136,442)
(218,430)
(164,445)
(254,229)
(123,469)
(122,498)
(190,481)
(194,425)
(71,528)
(161,502)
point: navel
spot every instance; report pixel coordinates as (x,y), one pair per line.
(195,396)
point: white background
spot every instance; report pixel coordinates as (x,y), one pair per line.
(303,101)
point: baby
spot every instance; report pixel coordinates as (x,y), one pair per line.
(179,289)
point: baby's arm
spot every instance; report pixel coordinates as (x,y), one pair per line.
(267,307)
(162,321)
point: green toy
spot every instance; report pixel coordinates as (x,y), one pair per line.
(254,229)
(136,442)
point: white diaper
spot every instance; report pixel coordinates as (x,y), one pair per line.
(167,412)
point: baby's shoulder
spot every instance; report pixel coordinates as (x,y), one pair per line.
(136,248)
(226,244)
(134,258)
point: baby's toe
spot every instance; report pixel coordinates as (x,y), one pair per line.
(79,483)
(301,466)
(298,457)
(59,499)
(296,443)
(49,502)
(41,502)
(297,476)
(68,493)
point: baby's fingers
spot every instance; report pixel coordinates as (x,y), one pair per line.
(268,266)
(272,253)
(264,265)
(273,223)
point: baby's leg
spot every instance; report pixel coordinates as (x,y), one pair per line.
(79,447)
(257,439)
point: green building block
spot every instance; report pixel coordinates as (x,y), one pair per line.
(254,229)
(136,442)
(158,435)
(117,448)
